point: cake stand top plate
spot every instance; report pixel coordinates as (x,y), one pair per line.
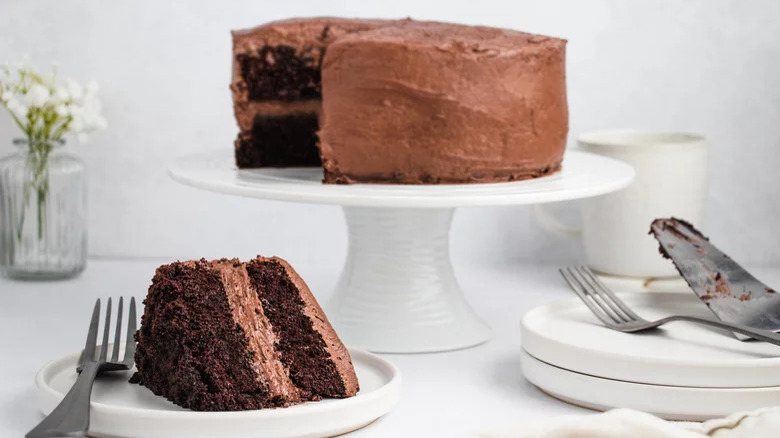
(583,175)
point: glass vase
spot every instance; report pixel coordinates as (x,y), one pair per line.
(43,233)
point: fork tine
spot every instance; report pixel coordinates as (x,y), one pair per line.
(130,342)
(595,297)
(607,299)
(118,335)
(106,330)
(88,354)
(611,294)
(579,290)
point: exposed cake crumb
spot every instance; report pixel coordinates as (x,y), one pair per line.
(721,285)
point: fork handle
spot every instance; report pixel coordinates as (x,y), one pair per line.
(72,414)
(761,335)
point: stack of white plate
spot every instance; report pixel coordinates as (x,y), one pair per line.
(681,371)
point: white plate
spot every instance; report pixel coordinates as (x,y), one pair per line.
(670,402)
(567,335)
(655,284)
(124,410)
(583,175)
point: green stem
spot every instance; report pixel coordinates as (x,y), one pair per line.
(37,181)
(22,214)
(43,190)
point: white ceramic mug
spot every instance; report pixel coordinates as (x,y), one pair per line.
(671,180)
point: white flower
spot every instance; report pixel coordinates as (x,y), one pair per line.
(17,108)
(88,121)
(75,90)
(12,103)
(77,122)
(62,94)
(21,111)
(91,103)
(37,96)
(46,104)
(82,138)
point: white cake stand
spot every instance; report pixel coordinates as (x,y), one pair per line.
(397,292)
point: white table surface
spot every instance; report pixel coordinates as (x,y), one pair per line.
(444,394)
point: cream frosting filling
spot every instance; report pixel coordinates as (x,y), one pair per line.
(246,112)
(248,313)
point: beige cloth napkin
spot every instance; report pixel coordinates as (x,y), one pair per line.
(622,423)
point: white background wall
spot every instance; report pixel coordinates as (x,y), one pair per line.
(164,67)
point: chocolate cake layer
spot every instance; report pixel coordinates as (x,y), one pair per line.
(301,344)
(225,335)
(281,73)
(279,141)
(429,103)
(190,350)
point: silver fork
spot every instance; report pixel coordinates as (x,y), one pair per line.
(72,414)
(616,315)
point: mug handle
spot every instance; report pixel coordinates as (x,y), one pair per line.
(552,224)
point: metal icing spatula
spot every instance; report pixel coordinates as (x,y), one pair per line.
(729,291)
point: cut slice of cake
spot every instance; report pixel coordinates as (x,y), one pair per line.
(226,335)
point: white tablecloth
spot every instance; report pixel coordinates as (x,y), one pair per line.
(457,393)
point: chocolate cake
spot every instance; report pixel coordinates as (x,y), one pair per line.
(226,335)
(277,88)
(400,102)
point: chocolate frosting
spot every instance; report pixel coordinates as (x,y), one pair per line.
(442,103)
(246,112)
(248,313)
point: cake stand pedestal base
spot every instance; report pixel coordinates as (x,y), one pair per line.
(397,292)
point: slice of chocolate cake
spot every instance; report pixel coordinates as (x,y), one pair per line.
(277,88)
(226,335)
